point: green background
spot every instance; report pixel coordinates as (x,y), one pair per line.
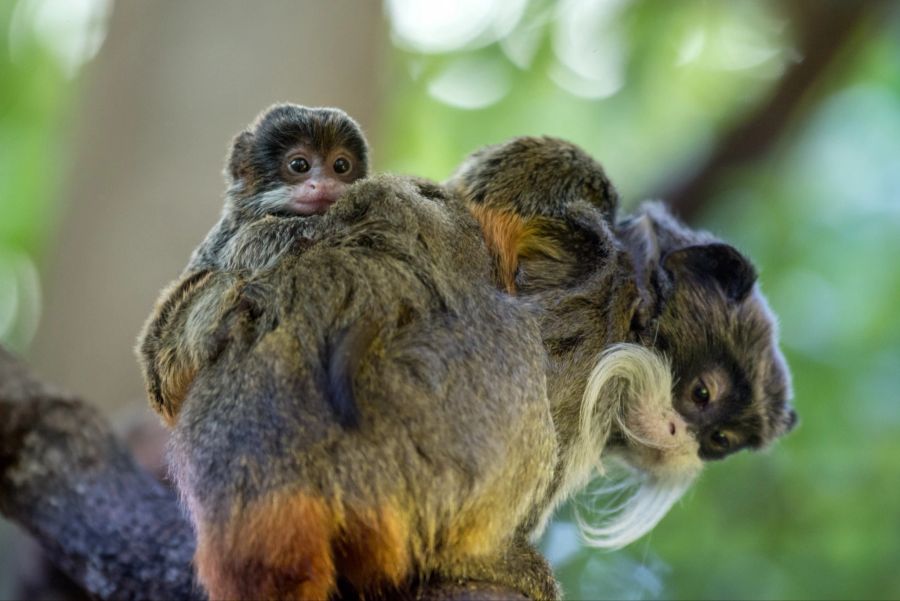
(818,515)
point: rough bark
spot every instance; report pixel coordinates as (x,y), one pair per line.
(100,517)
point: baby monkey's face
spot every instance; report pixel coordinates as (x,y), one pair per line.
(295,160)
(314,179)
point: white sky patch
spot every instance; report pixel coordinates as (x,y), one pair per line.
(72,30)
(437,27)
(471,83)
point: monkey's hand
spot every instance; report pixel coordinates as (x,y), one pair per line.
(163,347)
(196,319)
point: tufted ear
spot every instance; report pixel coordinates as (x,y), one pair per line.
(238,164)
(717,264)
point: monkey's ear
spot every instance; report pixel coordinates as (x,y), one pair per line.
(238,164)
(716,263)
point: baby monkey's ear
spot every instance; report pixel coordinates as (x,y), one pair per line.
(538,252)
(238,165)
(714,264)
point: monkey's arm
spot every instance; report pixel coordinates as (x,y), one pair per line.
(167,358)
(101,518)
(198,314)
(195,317)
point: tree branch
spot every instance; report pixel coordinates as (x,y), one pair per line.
(824,29)
(101,518)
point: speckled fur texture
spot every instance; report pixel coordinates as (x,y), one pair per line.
(647,281)
(427,458)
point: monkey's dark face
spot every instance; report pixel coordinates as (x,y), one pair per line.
(732,385)
(296,161)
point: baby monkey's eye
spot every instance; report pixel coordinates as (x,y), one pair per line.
(299,165)
(720,440)
(341,166)
(701,394)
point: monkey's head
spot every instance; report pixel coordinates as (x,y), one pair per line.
(522,192)
(699,377)
(534,176)
(295,160)
(710,319)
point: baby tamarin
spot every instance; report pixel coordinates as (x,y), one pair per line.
(284,171)
(696,304)
(521,192)
(293,161)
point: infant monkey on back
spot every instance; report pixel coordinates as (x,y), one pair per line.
(293,161)
(283,173)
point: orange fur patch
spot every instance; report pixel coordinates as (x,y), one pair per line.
(502,231)
(509,237)
(278,549)
(295,546)
(374,550)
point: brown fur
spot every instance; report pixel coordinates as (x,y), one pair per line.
(280,547)
(511,238)
(178,370)
(399,480)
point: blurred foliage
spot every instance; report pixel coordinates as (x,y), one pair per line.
(647,87)
(35,96)
(819,515)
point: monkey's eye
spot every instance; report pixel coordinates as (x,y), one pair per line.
(720,440)
(299,165)
(341,166)
(700,394)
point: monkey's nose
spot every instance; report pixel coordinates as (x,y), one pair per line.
(672,428)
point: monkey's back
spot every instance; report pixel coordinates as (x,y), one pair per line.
(432,453)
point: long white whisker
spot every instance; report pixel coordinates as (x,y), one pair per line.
(629,502)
